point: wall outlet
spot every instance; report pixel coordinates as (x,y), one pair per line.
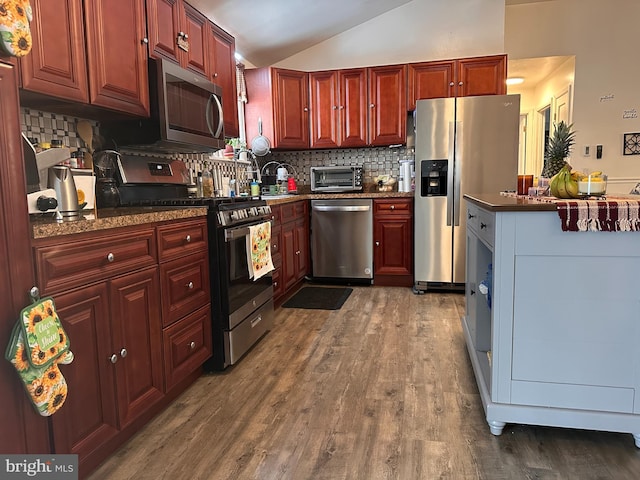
(598,151)
(586,151)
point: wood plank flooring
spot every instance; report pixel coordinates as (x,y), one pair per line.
(381,389)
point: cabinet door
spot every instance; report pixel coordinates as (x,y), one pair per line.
(88,419)
(393,240)
(482,76)
(57,63)
(289,265)
(117,55)
(137,342)
(430,80)
(163,25)
(352,109)
(196,29)
(324,104)
(387,105)
(223,73)
(302,248)
(291,109)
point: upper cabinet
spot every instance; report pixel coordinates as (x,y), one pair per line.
(178,32)
(338,111)
(279,98)
(457,78)
(387,105)
(110,73)
(222,49)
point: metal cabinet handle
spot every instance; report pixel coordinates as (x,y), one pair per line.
(188,238)
(305,109)
(335,107)
(275,246)
(470,216)
(298,252)
(192,345)
(110,257)
(371,105)
(459,84)
(451,84)
(123,352)
(275,284)
(215,74)
(341,107)
(190,285)
(113,358)
(186,36)
(483,225)
(377,244)
(145,41)
(181,34)
(392,207)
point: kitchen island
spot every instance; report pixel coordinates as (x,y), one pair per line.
(552,321)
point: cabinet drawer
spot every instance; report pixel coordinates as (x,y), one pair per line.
(392,206)
(486,226)
(184,286)
(278,286)
(276,238)
(181,239)
(276,214)
(472,217)
(292,211)
(186,344)
(64,266)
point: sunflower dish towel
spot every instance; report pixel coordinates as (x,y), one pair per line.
(15,34)
(38,344)
(259,250)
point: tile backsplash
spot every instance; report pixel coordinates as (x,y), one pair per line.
(375,161)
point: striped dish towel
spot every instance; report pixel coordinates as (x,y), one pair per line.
(599,215)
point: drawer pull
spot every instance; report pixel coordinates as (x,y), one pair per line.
(192,345)
(190,285)
(110,257)
(113,358)
(483,225)
(470,216)
(188,238)
(123,352)
(472,292)
(275,246)
(392,207)
(377,244)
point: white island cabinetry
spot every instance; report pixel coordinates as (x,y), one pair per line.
(560,343)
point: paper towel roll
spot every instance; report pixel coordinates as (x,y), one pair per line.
(406,176)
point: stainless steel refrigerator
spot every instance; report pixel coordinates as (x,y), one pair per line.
(462,145)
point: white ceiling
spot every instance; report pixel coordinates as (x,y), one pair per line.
(268,31)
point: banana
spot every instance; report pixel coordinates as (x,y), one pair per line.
(571,186)
(553,184)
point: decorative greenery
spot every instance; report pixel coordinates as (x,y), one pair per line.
(558,148)
(236,143)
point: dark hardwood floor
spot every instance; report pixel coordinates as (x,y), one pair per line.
(381,389)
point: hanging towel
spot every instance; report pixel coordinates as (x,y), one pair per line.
(259,250)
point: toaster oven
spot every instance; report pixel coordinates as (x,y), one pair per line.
(336,179)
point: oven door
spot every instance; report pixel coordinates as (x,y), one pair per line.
(245,294)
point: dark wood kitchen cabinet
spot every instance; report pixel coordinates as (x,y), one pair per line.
(393,241)
(290,247)
(387,105)
(110,72)
(179,32)
(338,108)
(222,48)
(107,293)
(457,78)
(23,430)
(280,98)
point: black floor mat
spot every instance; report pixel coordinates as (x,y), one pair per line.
(319,298)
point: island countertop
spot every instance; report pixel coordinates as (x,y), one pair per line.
(498,202)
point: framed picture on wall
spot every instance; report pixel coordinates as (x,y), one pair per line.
(631,144)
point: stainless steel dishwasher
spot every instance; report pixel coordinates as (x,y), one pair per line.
(342,238)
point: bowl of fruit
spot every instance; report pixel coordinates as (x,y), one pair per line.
(592,184)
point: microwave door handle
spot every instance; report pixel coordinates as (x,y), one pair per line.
(220,115)
(208,115)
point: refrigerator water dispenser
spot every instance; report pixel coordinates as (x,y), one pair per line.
(433,178)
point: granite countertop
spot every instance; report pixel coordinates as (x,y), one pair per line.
(45,226)
(279,199)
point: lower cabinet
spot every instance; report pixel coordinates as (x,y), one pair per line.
(135,303)
(393,241)
(290,246)
(116,375)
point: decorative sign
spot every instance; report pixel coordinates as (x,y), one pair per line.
(633,113)
(631,145)
(607,98)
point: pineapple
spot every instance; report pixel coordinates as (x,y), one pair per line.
(558,148)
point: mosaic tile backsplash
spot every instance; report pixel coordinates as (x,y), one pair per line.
(375,161)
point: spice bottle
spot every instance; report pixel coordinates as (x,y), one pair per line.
(207,184)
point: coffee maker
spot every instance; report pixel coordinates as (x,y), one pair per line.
(104,163)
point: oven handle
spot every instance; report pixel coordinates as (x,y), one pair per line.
(234,233)
(342,208)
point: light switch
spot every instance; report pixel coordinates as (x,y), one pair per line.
(598,151)
(586,151)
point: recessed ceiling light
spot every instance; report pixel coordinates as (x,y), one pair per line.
(515,80)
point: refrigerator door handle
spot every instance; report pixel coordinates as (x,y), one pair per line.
(450,173)
(456,174)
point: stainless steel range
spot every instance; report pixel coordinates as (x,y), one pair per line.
(242,308)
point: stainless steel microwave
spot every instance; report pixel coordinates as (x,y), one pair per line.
(186,114)
(336,179)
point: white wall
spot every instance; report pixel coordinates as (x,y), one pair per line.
(416,31)
(603,36)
